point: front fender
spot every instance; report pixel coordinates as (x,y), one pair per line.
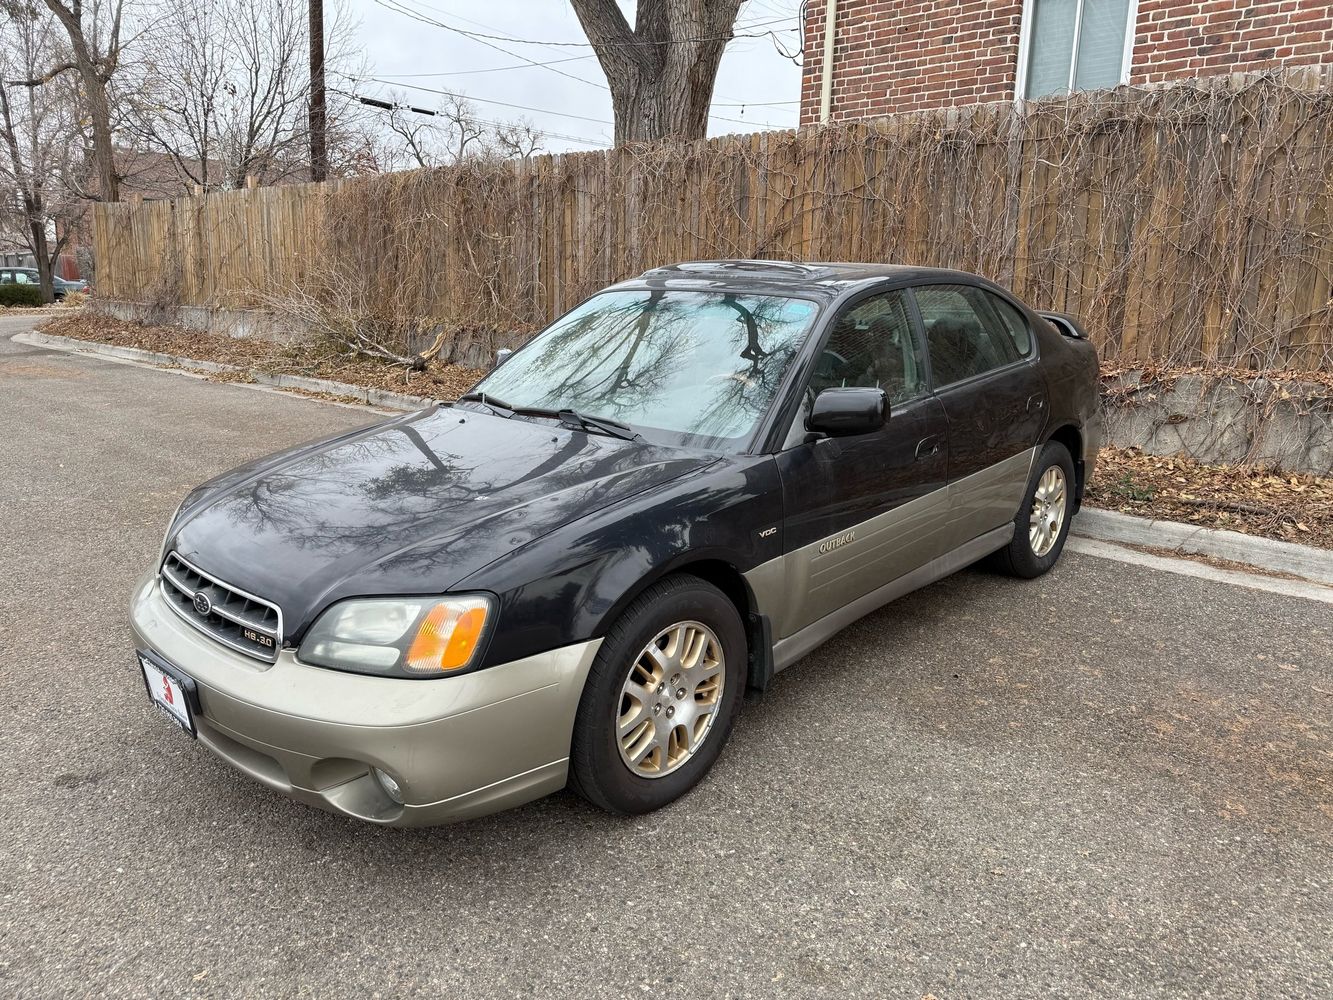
(571,585)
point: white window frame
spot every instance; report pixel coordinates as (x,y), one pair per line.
(1025,46)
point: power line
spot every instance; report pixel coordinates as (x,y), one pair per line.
(375,102)
(486,100)
(514,40)
(742,121)
(488,40)
(496,69)
(416,15)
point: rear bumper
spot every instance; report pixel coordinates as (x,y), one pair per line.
(458,747)
(1094,432)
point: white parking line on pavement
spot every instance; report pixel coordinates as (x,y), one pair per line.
(1187,567)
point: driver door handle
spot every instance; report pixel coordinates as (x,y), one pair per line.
(928,447)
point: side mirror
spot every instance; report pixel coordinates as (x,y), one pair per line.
(846,411)
(501,356)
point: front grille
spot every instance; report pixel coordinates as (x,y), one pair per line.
(234,618)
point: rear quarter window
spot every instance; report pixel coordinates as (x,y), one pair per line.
(1014,322)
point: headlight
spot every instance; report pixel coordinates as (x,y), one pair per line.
(399,637)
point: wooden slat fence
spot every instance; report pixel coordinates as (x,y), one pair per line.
(1184,225)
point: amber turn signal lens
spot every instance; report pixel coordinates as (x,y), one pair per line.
(447,638)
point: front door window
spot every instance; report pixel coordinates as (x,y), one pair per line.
(874,345)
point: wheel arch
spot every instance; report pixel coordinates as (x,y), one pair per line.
(723,574)
(1071,436)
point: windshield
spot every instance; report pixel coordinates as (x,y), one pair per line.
(696,368)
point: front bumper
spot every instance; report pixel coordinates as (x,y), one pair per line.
(458,747)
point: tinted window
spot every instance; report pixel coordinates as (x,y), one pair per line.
(1014,323)
(965,334)
(679,367)
(874,345)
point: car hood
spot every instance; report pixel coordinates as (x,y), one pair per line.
(408,506)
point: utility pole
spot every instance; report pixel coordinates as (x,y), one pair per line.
(319,154)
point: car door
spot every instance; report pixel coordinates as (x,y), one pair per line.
(984,368)
(862,510)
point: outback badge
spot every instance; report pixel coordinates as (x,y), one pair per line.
(836,543)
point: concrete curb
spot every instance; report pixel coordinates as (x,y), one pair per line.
(1303,561)
(381,398)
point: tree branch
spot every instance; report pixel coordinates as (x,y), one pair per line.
(45,78)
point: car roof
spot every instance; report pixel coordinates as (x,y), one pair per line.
(822,279)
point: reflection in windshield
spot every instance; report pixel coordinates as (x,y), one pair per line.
(701,366)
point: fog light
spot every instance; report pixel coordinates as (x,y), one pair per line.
(389,785)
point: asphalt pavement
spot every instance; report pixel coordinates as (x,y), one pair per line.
(1110,782)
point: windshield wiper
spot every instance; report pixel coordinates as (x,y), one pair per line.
(583,421)
(498,406)
(603,424)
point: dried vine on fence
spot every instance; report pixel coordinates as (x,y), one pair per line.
(1185,225)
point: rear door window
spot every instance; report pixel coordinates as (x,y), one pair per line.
(964,332)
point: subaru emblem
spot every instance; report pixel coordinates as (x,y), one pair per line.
(202,604)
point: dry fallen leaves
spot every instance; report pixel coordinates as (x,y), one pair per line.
(313,360)
(1253,500)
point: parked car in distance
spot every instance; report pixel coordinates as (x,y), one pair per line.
(571,575)
(64,286)
(30,276)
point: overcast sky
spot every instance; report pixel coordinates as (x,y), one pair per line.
(756,87)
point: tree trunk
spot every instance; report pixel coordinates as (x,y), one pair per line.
(30,194)
(661,72)
(41,253)
(104,153)
(319,153)
(94,93)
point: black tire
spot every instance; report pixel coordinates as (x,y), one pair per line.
(1018,558)
(597,771)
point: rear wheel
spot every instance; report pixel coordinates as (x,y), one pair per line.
(1042,524)
(661,697)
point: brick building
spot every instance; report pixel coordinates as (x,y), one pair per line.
(907,55)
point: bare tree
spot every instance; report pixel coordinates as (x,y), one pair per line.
(94,53)
(227,90)
(516,140)
(453,133)
(661,71)
(37,130)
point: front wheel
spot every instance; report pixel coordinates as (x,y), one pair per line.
(1042,524)
(661,697)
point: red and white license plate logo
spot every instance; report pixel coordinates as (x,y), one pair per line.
(166,692)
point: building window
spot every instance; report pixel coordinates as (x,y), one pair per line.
(1072,45)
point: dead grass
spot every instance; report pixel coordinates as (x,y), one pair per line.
(1256,501)
(313,360)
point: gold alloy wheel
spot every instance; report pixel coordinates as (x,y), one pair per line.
(1048,511)
(670,698)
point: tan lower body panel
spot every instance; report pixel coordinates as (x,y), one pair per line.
(815,582)
(989,498)
(457,746)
